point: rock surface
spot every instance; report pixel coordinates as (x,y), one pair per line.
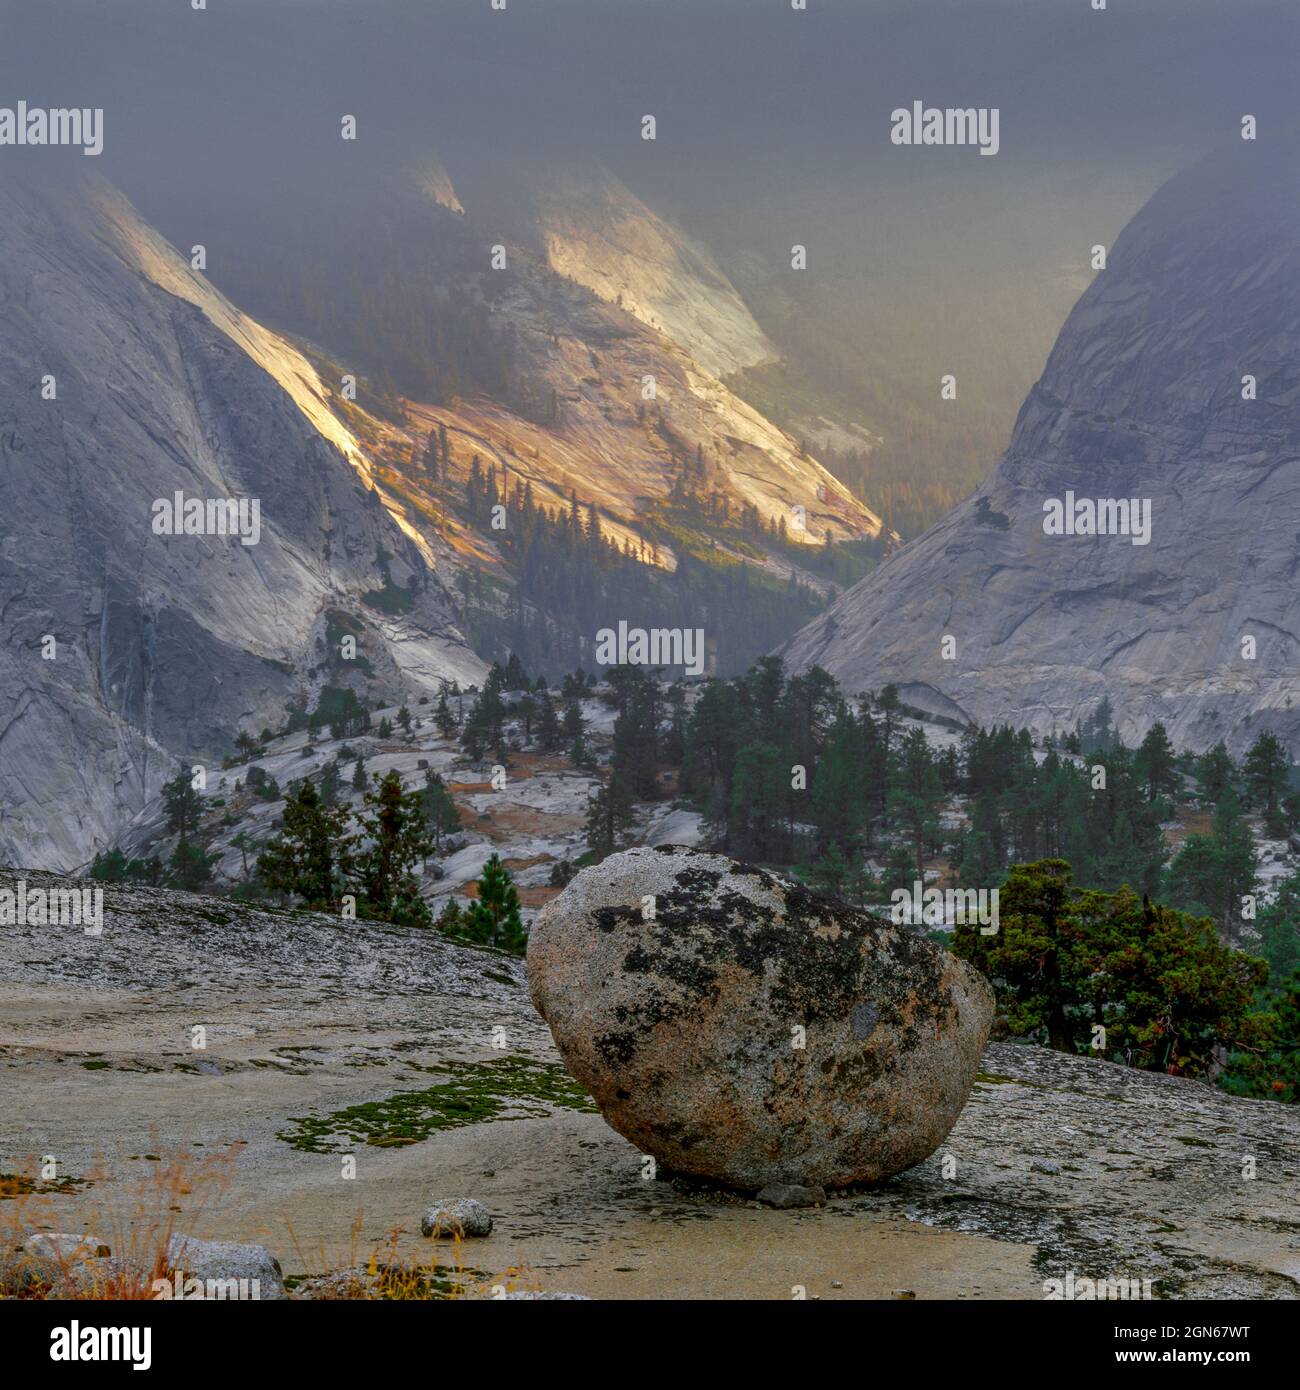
(165,644)
(456,1216)
(683,1019)
(225,1260)
(1061,1163)
(1140,398)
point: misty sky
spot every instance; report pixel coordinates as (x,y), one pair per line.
(744,90)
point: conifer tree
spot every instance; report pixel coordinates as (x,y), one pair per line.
(183,805)
(493,916)
(548,724)
(443,717)
(440,813)
(1154,762)
(1265,772)
(312,855)
(1215,772)
(397,839)
(609,817)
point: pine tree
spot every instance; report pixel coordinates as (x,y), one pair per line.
(359,775)
(329,783)
(493,916)
(1265,772)
(1215,772)
(609,817)
(831,872)
(191,867)
(635,737)
(548,724)
(756,823)
(109,867)
(440,813)
(183,805)
(916,795)
(443,717)
(1212,873)
(397,839)
(312,855)
(1154,762)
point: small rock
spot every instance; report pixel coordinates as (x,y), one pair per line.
(111,1278)
(457,1216)
(835,1284)
(225,1260)
(1044,1165)
(902,1293)
(790,1194)
(23,1273)
(65,1245)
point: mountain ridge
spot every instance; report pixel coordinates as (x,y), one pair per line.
(1141,397)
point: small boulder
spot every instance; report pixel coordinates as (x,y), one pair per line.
(105,1278)
(743,1029)
(22,1273)
(222,1264)
(457,1216)
(65,1245)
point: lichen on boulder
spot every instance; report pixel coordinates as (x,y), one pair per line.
(741,1028)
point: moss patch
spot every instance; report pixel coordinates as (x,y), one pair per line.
(511,1088)
(18,1185)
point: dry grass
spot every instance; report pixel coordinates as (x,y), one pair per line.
(168,1198)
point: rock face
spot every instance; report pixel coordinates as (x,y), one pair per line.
(678,986)
(124,379)
(1142,397)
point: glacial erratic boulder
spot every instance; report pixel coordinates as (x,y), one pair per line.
(456,1216)
(743,1029)
(222,1265)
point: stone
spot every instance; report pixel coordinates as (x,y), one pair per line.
(457,1216)
(786,1194)
(65,1245)
(678,987)
(225,1260)
(106,1278)
(23,1273)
